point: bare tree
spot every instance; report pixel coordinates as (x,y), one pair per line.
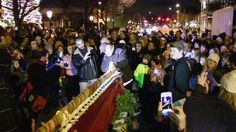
(20,9)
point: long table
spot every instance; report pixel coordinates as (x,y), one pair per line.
(100,113)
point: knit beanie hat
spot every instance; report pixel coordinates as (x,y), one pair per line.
(178,44)
(228,81)
(215,57)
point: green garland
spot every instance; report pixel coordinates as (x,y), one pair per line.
(127,106)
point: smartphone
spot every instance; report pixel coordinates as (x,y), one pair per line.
(166,101)
(60,54)
(157,72)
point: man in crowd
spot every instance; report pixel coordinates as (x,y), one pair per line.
(179,80)
(84,59)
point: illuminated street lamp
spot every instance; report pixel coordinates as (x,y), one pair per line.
(170,8)
(99,2)
(177,5)
(49,15)
(91,18)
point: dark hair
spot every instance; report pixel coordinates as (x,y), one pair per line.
(40,54)
(209,114)
(232,59)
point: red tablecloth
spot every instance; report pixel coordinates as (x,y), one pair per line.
(99,115)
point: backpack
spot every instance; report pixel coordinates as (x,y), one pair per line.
(31,99)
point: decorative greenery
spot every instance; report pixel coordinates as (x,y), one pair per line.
(127,105)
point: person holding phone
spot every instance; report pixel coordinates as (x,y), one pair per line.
(84,59)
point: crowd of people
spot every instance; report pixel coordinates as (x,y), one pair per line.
(42,70)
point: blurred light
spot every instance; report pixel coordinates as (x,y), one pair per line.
(204,4)
(163,20)
(91,18)
(49,14)
(170,8)
(99,2)
(129,21)
(177,5)
(154,28)
(122,11)
(175,20)
(150,12)
(186,23)
(159,18)
(177,11)
(167,19)
(108,19)
(145,21)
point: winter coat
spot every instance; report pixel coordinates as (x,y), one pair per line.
(216,115)
(139,73)
(10,112)
(179,80)
(120,60)
(85,66)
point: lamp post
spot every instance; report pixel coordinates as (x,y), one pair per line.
(98,16)
(178,13)
(49,15)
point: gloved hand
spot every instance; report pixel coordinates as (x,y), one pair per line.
(112,66)
(87,56)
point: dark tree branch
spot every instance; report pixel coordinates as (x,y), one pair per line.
(30,10)
(24,7)
(7,7)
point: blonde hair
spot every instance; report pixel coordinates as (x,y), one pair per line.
(228,97)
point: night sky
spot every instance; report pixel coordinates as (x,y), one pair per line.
(157,7)
(161,7)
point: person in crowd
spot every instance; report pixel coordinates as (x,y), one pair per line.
(10,111)
(162,46)
(179,80)
(220,118)
(171,37)
(151,91)
(39,42)
(232,61)
(228,89)
(142,69)
(151,50)
(84,59)
(114,37)
(136,57)
(123,36)
(178,35)
(166,60)
(116,58)
(71,80)
(45,104)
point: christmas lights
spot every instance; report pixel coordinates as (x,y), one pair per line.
(30,13)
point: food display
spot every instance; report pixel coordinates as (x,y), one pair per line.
(64,115)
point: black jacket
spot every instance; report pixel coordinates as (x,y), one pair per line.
(179,80)
(84,67)
(10,112)
(208,113)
